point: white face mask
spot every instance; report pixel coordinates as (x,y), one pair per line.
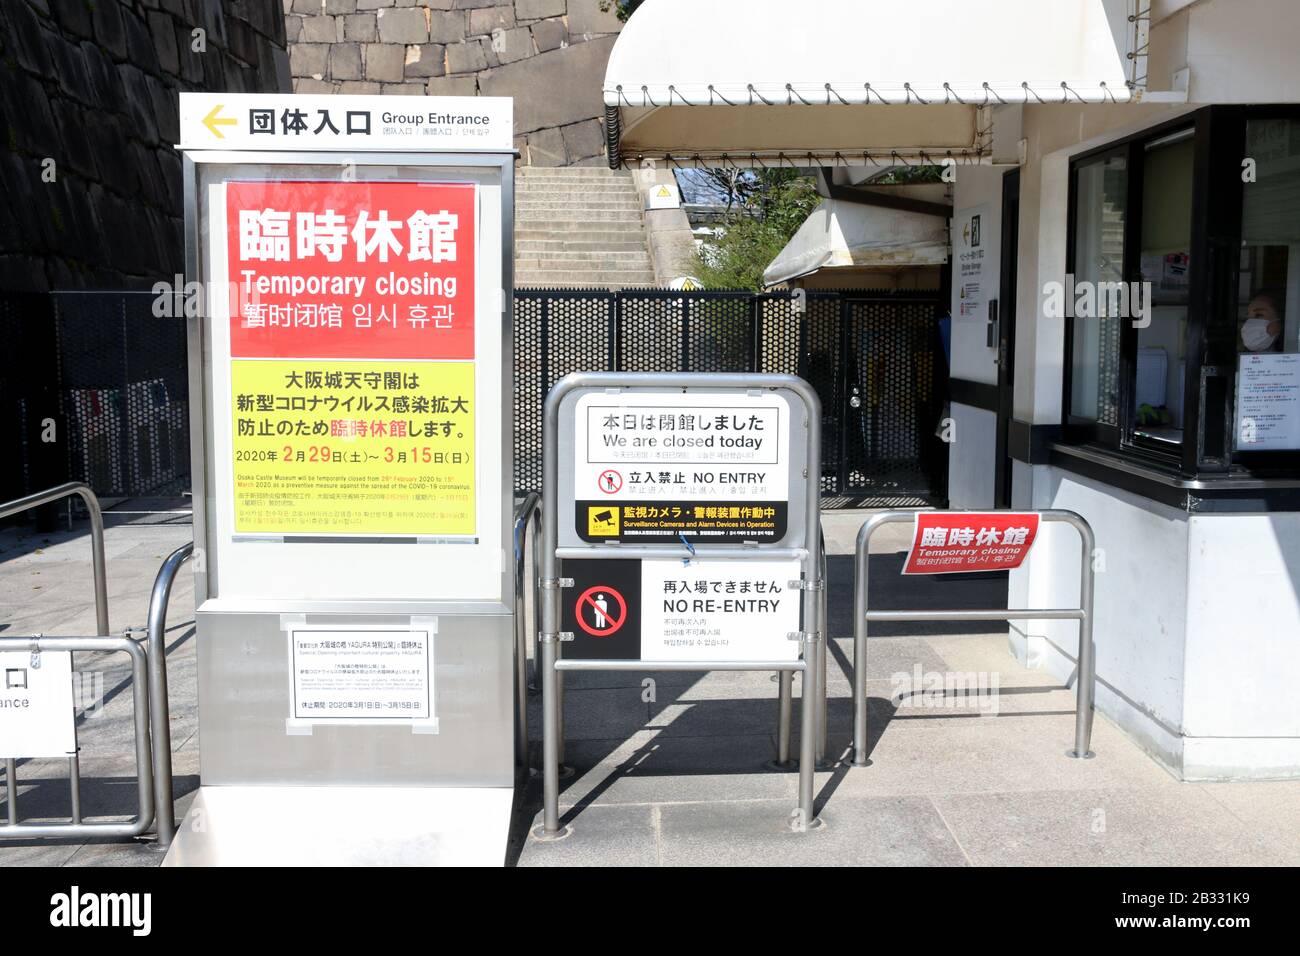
(1256,336)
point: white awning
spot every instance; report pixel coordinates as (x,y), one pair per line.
(840,235)
(760,82)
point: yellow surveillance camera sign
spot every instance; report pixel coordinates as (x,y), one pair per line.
(602,521)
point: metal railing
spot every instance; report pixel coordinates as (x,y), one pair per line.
(862,614)
(159,705)
(528,514)
(149,677)
(49,496)
(58,492)
(145,813)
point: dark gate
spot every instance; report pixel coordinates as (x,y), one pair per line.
(874,357)
(93,388)
(113,376)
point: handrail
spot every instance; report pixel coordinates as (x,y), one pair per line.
(145,793)
(1087,667)
(159,705)
(527,511)
(49,496)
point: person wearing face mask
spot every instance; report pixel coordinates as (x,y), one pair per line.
(1262,329)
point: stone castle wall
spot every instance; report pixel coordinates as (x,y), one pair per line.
(90,185)
(549,55)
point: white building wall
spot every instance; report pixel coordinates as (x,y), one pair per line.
(1197,623)
(971,457)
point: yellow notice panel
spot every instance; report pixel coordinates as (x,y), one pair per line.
(326,447)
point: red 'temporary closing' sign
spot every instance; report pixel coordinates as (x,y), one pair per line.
(351,269)
(945,542)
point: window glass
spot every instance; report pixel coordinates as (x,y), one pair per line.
(1270,239)
(1101,196)
(1160,364)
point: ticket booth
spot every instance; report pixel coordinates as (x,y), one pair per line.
(349,264)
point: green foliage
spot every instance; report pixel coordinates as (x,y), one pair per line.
(909,175)
(757,230)
(624,8)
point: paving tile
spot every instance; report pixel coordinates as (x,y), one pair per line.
(602,836)
(1183,826)
(1271,810)
(883,831)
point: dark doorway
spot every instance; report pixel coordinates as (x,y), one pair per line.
(1006,332)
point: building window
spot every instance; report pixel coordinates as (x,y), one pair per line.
(1197,223)
(1268,294)
(1160,360)
(1100,214)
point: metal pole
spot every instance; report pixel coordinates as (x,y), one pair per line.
(784,715)
(1087,675)
(549,592)
(813,586)
(523,519)
(74,781)
(11,789)
(860,646)
(97,557)
(823,651)
(159,704)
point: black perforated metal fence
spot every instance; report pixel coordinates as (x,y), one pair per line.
(93,388)
(112,377)
(875,358)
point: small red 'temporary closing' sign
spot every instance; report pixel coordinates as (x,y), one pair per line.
(946,542)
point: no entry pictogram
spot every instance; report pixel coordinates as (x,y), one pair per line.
(610,482)
(601,611)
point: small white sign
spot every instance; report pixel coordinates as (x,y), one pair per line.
(682,446)
(1268,402)
(971,244)
(273,121)
(36,709)
(342,675)
(663,196)
(719,610)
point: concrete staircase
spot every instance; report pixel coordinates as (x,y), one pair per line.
(579,227)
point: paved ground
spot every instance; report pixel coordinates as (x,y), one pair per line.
(679,779)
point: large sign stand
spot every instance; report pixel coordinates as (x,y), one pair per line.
(349,266)
(681,531)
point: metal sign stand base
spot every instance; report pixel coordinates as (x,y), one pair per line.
(299,826)
(811,586)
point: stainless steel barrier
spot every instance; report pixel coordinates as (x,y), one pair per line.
(159,706)
(527,514)
(785,685)
(78,829)
(862,614)
(149,675)
(813,582)
(49,496)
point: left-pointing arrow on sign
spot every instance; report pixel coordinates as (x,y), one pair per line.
(212,121)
